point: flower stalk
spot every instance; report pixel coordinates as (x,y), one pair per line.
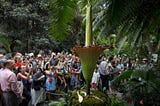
(88,32)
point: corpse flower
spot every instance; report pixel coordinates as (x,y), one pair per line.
(88,56)
(89,53)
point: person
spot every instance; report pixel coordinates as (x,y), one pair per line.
(136,64)
(111,67)
(0,96)
(75,73)
(95,79)
(127,64)
(50,83)
(17,64)
(54,59)
(60,71)
(9,87)
(36,87)
(2,61)
(104,74)
(23,81)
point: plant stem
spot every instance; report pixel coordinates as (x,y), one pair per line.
(88,88)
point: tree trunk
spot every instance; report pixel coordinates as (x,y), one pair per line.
(158,47)
(148,44)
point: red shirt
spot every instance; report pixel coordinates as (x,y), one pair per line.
(17,64)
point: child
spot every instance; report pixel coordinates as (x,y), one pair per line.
(95,79)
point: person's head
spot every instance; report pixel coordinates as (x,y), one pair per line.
(23,68)
(2,61)
(128,59)
(137,61)
(113,63)
(104,59)
(9,64)
(39,56)
(18,58)
(1,55)
(39,70)
(53,54)
(95,70)
(110,58)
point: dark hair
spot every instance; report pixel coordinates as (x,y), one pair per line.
(110,58)
(39,69)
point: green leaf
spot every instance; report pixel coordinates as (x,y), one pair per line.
(125,75)
(61,14)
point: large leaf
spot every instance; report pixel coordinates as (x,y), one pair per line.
(125,75)
(61,14)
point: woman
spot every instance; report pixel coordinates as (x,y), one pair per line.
(50,83)
(24,77)
(36,87)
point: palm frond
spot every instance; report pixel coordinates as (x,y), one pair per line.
(98,20)
(121,44)
(105,31)
(125,75)
(115,12)
(61,15)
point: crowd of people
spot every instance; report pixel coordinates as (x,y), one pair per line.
(23,78)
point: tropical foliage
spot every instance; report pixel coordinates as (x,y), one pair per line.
(133,19)
(61,15)
(32,25)
(134,22)
(141,84)
(23,23)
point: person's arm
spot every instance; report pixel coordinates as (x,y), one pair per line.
(19,75)
(48,72)
(0,90)
(14,86)
(43,76)
(77,71)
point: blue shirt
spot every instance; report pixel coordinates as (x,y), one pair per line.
(50,85)
(35,77)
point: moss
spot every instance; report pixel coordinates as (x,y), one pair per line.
(96,98)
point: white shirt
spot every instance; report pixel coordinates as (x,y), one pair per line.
(95,77)
(102,68)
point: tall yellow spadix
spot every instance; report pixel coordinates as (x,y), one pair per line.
(88,33)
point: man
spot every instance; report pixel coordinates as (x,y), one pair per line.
(0,96)
(104,74)
(2,61)
(8,82)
